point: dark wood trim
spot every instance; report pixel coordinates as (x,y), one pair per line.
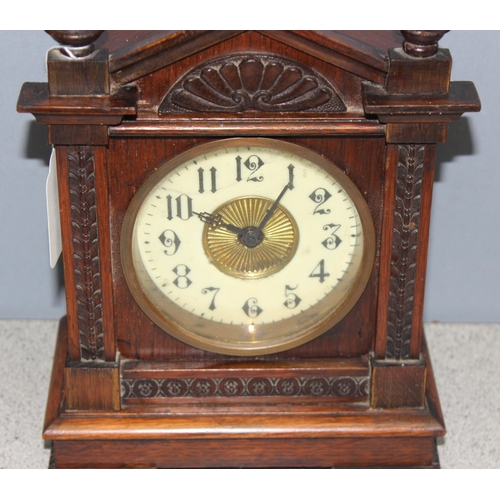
(424,220)
(391,108)
(386,250)
(250,127)
(401,286)
(408,194)
(397,385)
(144,44)
(360,52)
(416,133)
(418,75)
(92,386)
(79,195)
(56,386)
(290,422)
(250,453)
(316,379)
(152,56)
(102,206)
(432,398)
(98,109)
(67,253)
(76,119)
(89,74)
(360,58)
(405,239)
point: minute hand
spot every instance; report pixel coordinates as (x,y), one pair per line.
(270,212)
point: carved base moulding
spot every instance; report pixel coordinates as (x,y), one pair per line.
(326,423)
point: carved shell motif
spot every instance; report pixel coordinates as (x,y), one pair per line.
(260,82)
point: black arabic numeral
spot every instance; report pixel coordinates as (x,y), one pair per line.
(251,308)
(253,163)
(181,271)
(320,196)
(319,271)
(210,289)
(183,207)
(292,299)
(333,241)
(171,241)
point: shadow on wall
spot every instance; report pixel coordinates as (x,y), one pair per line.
(36,145)
(458,143)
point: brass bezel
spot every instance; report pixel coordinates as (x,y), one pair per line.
(225,338)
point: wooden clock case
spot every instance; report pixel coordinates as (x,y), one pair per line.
(118,104)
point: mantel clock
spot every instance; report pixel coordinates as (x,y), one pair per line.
(245,220)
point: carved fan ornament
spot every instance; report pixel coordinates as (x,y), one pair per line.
(259,82)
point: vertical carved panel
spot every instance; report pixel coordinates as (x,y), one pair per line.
(405,232)
(86,251)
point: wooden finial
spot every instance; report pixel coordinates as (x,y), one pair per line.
(422,43)
(78,43)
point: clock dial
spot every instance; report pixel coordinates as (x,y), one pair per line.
(247,246)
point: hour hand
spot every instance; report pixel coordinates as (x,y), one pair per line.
(216,221)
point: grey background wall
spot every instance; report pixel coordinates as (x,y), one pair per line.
(464,266)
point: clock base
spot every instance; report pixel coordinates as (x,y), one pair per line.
(265,435)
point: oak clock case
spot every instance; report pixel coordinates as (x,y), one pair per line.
(247,246)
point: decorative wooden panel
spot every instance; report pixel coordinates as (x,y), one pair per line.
(405,233)
(337,387)
(259,82)
(82,184)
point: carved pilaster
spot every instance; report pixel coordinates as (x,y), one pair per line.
(83,205)
(405,232)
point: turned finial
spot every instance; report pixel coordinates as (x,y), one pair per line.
(422,43)
(77,43)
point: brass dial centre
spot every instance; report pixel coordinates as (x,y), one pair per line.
(236,254)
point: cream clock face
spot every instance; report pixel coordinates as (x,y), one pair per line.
(247,246)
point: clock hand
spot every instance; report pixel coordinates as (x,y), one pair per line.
(216,221)
(270,212)
(249,236)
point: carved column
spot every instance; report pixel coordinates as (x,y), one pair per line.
(416,114)
(78,106)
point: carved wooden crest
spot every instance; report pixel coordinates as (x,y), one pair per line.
(258,82)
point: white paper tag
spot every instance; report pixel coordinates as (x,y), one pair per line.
(53,215)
